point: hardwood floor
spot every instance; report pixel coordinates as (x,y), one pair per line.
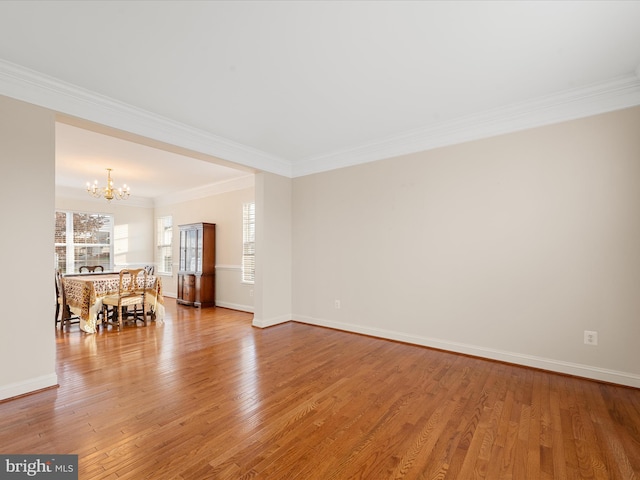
(207,396)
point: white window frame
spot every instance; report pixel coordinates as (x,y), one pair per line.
(164,244)
(70,246)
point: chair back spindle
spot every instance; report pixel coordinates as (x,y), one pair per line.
(132,286)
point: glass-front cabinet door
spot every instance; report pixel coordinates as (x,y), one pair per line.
(183,250)
(199,251)
(189,249)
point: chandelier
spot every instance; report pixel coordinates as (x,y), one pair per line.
(108,192)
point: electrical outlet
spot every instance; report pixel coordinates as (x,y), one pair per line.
(251,293)
(337,304)
(590,337)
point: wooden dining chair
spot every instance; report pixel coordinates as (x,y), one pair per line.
(91,268)
(63,312)
(131,293)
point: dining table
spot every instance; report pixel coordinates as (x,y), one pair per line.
(84,294)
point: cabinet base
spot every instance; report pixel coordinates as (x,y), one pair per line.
(204,304)
(195,304)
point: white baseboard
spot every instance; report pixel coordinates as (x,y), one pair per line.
(270,322)
(235,306)
(27,386)
(549,364)
(232,306)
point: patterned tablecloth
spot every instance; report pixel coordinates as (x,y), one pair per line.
(85,292)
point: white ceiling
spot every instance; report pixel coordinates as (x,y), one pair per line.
(307,82)
(83,156)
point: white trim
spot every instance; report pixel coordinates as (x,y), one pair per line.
(204,191)
(235,306)
(240,183)
(270,322)
(616,94)
(37,88)
(81,194)
(558,366)
(27,386)
(233,268)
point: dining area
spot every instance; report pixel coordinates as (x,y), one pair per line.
(94,297)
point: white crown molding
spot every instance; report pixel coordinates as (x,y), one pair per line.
(616,94)
(240,183)
(33,87)
(39,89)
(81,194)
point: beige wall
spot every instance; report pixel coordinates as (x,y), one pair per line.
(508,247)
(225,210)
(27,343)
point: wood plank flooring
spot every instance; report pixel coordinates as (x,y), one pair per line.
(206,396)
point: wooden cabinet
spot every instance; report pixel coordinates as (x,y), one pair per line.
(197,271)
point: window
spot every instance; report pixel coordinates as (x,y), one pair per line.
(83,239)
(248,242)
(164,235)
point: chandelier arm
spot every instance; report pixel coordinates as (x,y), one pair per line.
(108,192)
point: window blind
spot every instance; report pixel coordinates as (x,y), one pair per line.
(248,242)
